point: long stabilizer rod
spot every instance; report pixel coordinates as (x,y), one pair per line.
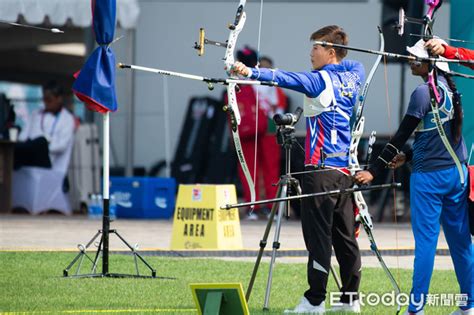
(209,81)
(318,194)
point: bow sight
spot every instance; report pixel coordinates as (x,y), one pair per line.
(204,41)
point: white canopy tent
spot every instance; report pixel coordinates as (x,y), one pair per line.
(22,54)
(64,12)
(33,56)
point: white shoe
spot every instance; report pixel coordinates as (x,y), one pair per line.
(463,312)
(353,307)
(307,308)
(251,216)
(422,312)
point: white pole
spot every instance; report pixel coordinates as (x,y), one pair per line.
(105,192)
(105,162)
(167,127)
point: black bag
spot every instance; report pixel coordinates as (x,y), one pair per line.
(470,198)
(471,216)
(7,116)
(191,157)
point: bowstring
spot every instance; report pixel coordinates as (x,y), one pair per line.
(259,37)
(387,100)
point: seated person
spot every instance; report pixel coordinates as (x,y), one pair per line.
(49,133)
(7,116)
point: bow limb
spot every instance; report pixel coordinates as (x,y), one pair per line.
(365,89)
(235,29)
(374,248)
(364,216)
(235,120)
(356,135)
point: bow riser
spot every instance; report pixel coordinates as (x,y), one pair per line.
(229,59)
(355,140)
(232,100)
(354,166)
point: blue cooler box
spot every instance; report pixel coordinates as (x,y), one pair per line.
(143,197)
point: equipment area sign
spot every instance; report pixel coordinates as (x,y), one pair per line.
(199,223)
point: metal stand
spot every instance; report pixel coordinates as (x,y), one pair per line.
(286,138)
(103,247)
(287,183)
(101,253)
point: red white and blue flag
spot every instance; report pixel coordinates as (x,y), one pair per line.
(95,83)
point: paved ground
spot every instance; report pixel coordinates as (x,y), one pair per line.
(56,232)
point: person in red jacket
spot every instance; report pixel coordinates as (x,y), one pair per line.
(250,130)
(439,47)
(272,100)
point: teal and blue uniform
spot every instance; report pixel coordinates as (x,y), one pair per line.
(437,196)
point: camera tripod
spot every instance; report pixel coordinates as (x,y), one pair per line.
(286,185)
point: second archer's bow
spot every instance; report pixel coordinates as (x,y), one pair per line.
(435,97)
(363,215)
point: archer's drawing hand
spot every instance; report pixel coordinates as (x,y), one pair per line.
(435,46)
(363,177)
(398,160)
(240,69)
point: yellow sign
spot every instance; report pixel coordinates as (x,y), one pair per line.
(199,223)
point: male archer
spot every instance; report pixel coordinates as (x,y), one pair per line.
(330,90)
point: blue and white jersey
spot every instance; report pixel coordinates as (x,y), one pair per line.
(330,95)
(429,152)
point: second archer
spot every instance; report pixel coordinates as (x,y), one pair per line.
(330,91)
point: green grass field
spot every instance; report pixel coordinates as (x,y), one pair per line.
(32,282)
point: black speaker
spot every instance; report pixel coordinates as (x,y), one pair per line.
(395,43)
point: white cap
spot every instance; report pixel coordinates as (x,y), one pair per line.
(419,50)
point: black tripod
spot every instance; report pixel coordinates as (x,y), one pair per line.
(286,138)
(103,246)
(103,250)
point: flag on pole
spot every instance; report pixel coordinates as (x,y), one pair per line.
(95,82)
